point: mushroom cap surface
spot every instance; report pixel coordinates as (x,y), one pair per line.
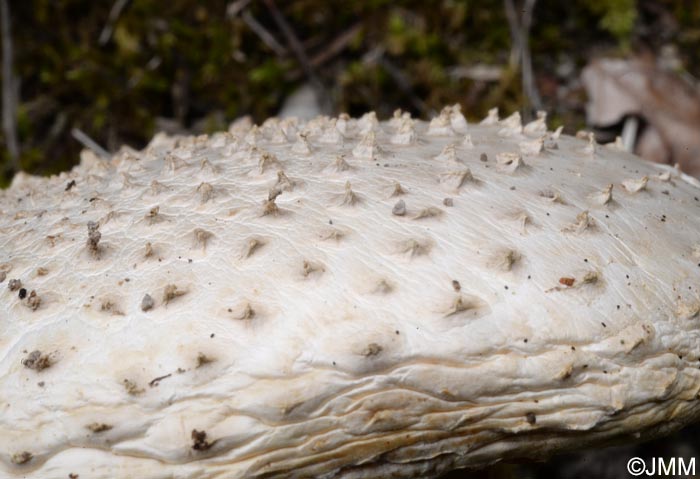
(255,304)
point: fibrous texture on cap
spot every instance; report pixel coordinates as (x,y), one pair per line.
(344,298)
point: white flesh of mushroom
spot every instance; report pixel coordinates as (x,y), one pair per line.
(344,298)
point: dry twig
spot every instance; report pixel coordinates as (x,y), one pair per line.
(336,46)
(520,35)
(233,8)
(114,14)
(300,53)
(89,143)
(9,88)
(404,84)
(267,37)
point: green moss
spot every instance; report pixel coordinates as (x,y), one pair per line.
(615,16)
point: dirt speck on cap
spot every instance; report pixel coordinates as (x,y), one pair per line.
(531,418)
(21,458)
(147,303)
(399,208)
(199,440)
(37,361)
(94,237)
(567,281)
(98,427)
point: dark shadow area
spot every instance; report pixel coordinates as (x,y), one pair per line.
(606,463)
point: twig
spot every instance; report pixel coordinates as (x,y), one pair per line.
(478,72)
(336,46)
(89,143)
(404,84)
(514,27)
(152,64)
(629,132)
(525,57)
(114,14)
(300,53)
(9,90)
(520,52)
(376,57)
(156,381)
(267,37)
(233,8)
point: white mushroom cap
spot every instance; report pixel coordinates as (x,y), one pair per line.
(233,306)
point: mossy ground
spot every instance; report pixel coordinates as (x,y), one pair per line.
(191,65)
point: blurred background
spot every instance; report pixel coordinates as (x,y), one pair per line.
(112,72)
(99,74)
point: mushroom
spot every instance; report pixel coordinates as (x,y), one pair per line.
(387,337)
